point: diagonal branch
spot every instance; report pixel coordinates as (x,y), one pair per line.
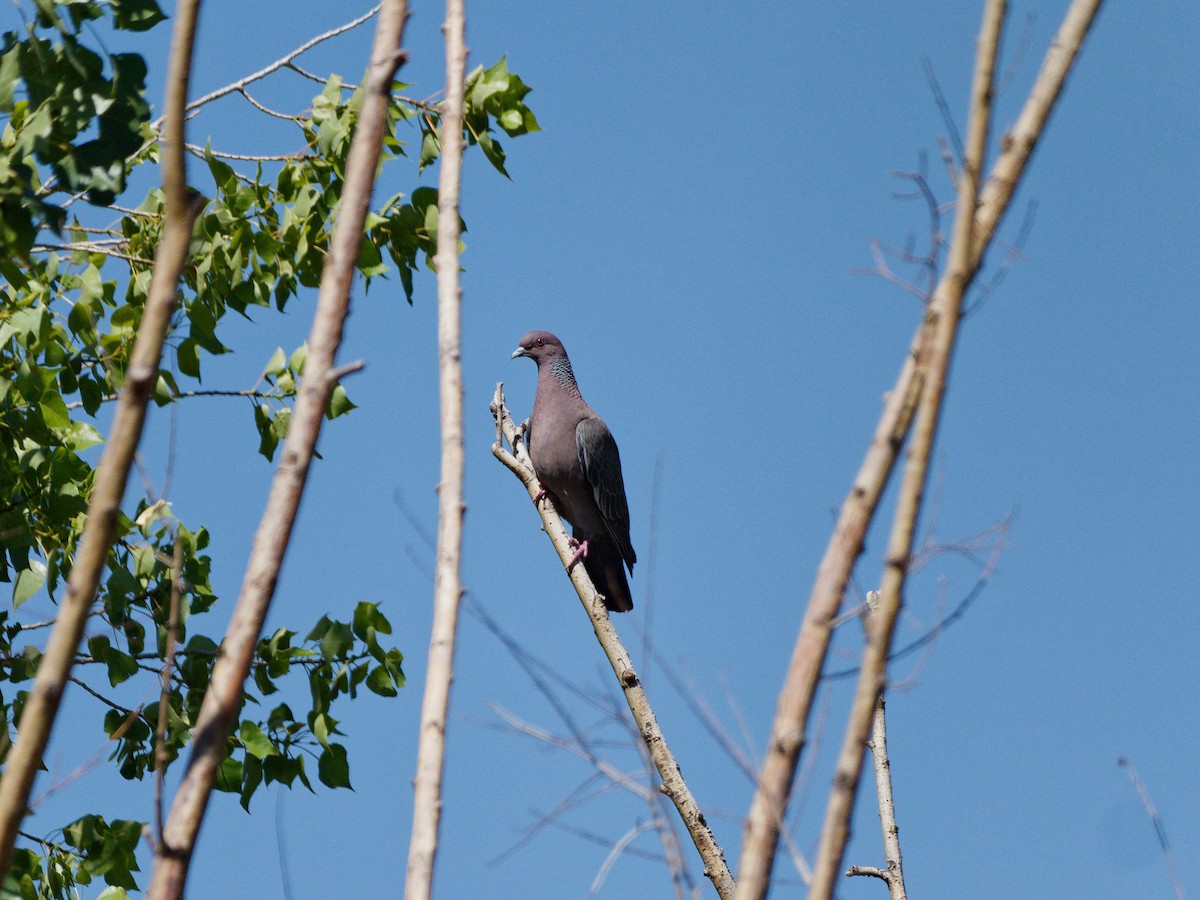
(224,695)
(945,311)
(182,206)
(447,586)
(282,62)
(517,461)
(789,731)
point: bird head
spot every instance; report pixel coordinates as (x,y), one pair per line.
(538,346)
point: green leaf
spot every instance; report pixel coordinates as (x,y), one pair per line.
(253,776)
(54,410)
(299,355)
(188,357)
(255,742)
(276,364)
(332,768)
(339,403)
(321,728)
(367,616)
(269,439)
(136,15)
(381,682)
(29,582)
(337,640)
(229,776)
(82,436)
(121,666)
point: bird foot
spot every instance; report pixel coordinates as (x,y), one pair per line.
(537,498)
(581,548)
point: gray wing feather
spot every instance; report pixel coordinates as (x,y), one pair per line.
(601,462)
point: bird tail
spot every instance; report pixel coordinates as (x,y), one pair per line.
(605,567)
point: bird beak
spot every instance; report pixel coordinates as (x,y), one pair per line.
(520,351)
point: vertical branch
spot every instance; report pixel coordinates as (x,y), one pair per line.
(164,696)
(673,785)
(104,506)
(887,806)
(789,731)
(224,694)
(894,874)
(447,589)
(945,311)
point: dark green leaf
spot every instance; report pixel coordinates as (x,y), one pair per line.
(333,768)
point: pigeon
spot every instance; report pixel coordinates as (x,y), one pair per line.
(576,460)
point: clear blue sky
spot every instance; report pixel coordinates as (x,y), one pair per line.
(689,222)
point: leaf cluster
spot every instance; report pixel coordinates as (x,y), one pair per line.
(75,128)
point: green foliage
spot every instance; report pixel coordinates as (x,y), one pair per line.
(75,268)
(493,95)
(86,849)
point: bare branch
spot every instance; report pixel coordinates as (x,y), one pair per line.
(104,506)
(615,854)
(270,112)
(199,151)
(1159,830)
(447,586)
(883,790)
(232,666)
(516,459)
(945,312)
(788,734)
(282,62)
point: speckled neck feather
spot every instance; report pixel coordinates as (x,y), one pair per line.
(560,368)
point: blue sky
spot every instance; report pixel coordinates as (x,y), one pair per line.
(690,222)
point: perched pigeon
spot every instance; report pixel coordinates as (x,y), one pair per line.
(576,460)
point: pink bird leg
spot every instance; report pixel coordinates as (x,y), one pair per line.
(580,552)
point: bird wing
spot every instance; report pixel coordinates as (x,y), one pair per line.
(601,463)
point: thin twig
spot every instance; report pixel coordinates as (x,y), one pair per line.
(92,762)
(613,855)
(197,150)
(280,63)
(270,112)
(1159,830)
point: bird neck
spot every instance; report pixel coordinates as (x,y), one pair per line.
(559,368)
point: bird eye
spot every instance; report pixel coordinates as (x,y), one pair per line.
(541,343)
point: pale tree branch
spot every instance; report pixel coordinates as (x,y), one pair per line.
(614,854)
(447,585)
(945,311)
(232,665)
(282,62)
(164,697)
(1159,830)
(788,733)
(112,473)
(516,459)
(894,875)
